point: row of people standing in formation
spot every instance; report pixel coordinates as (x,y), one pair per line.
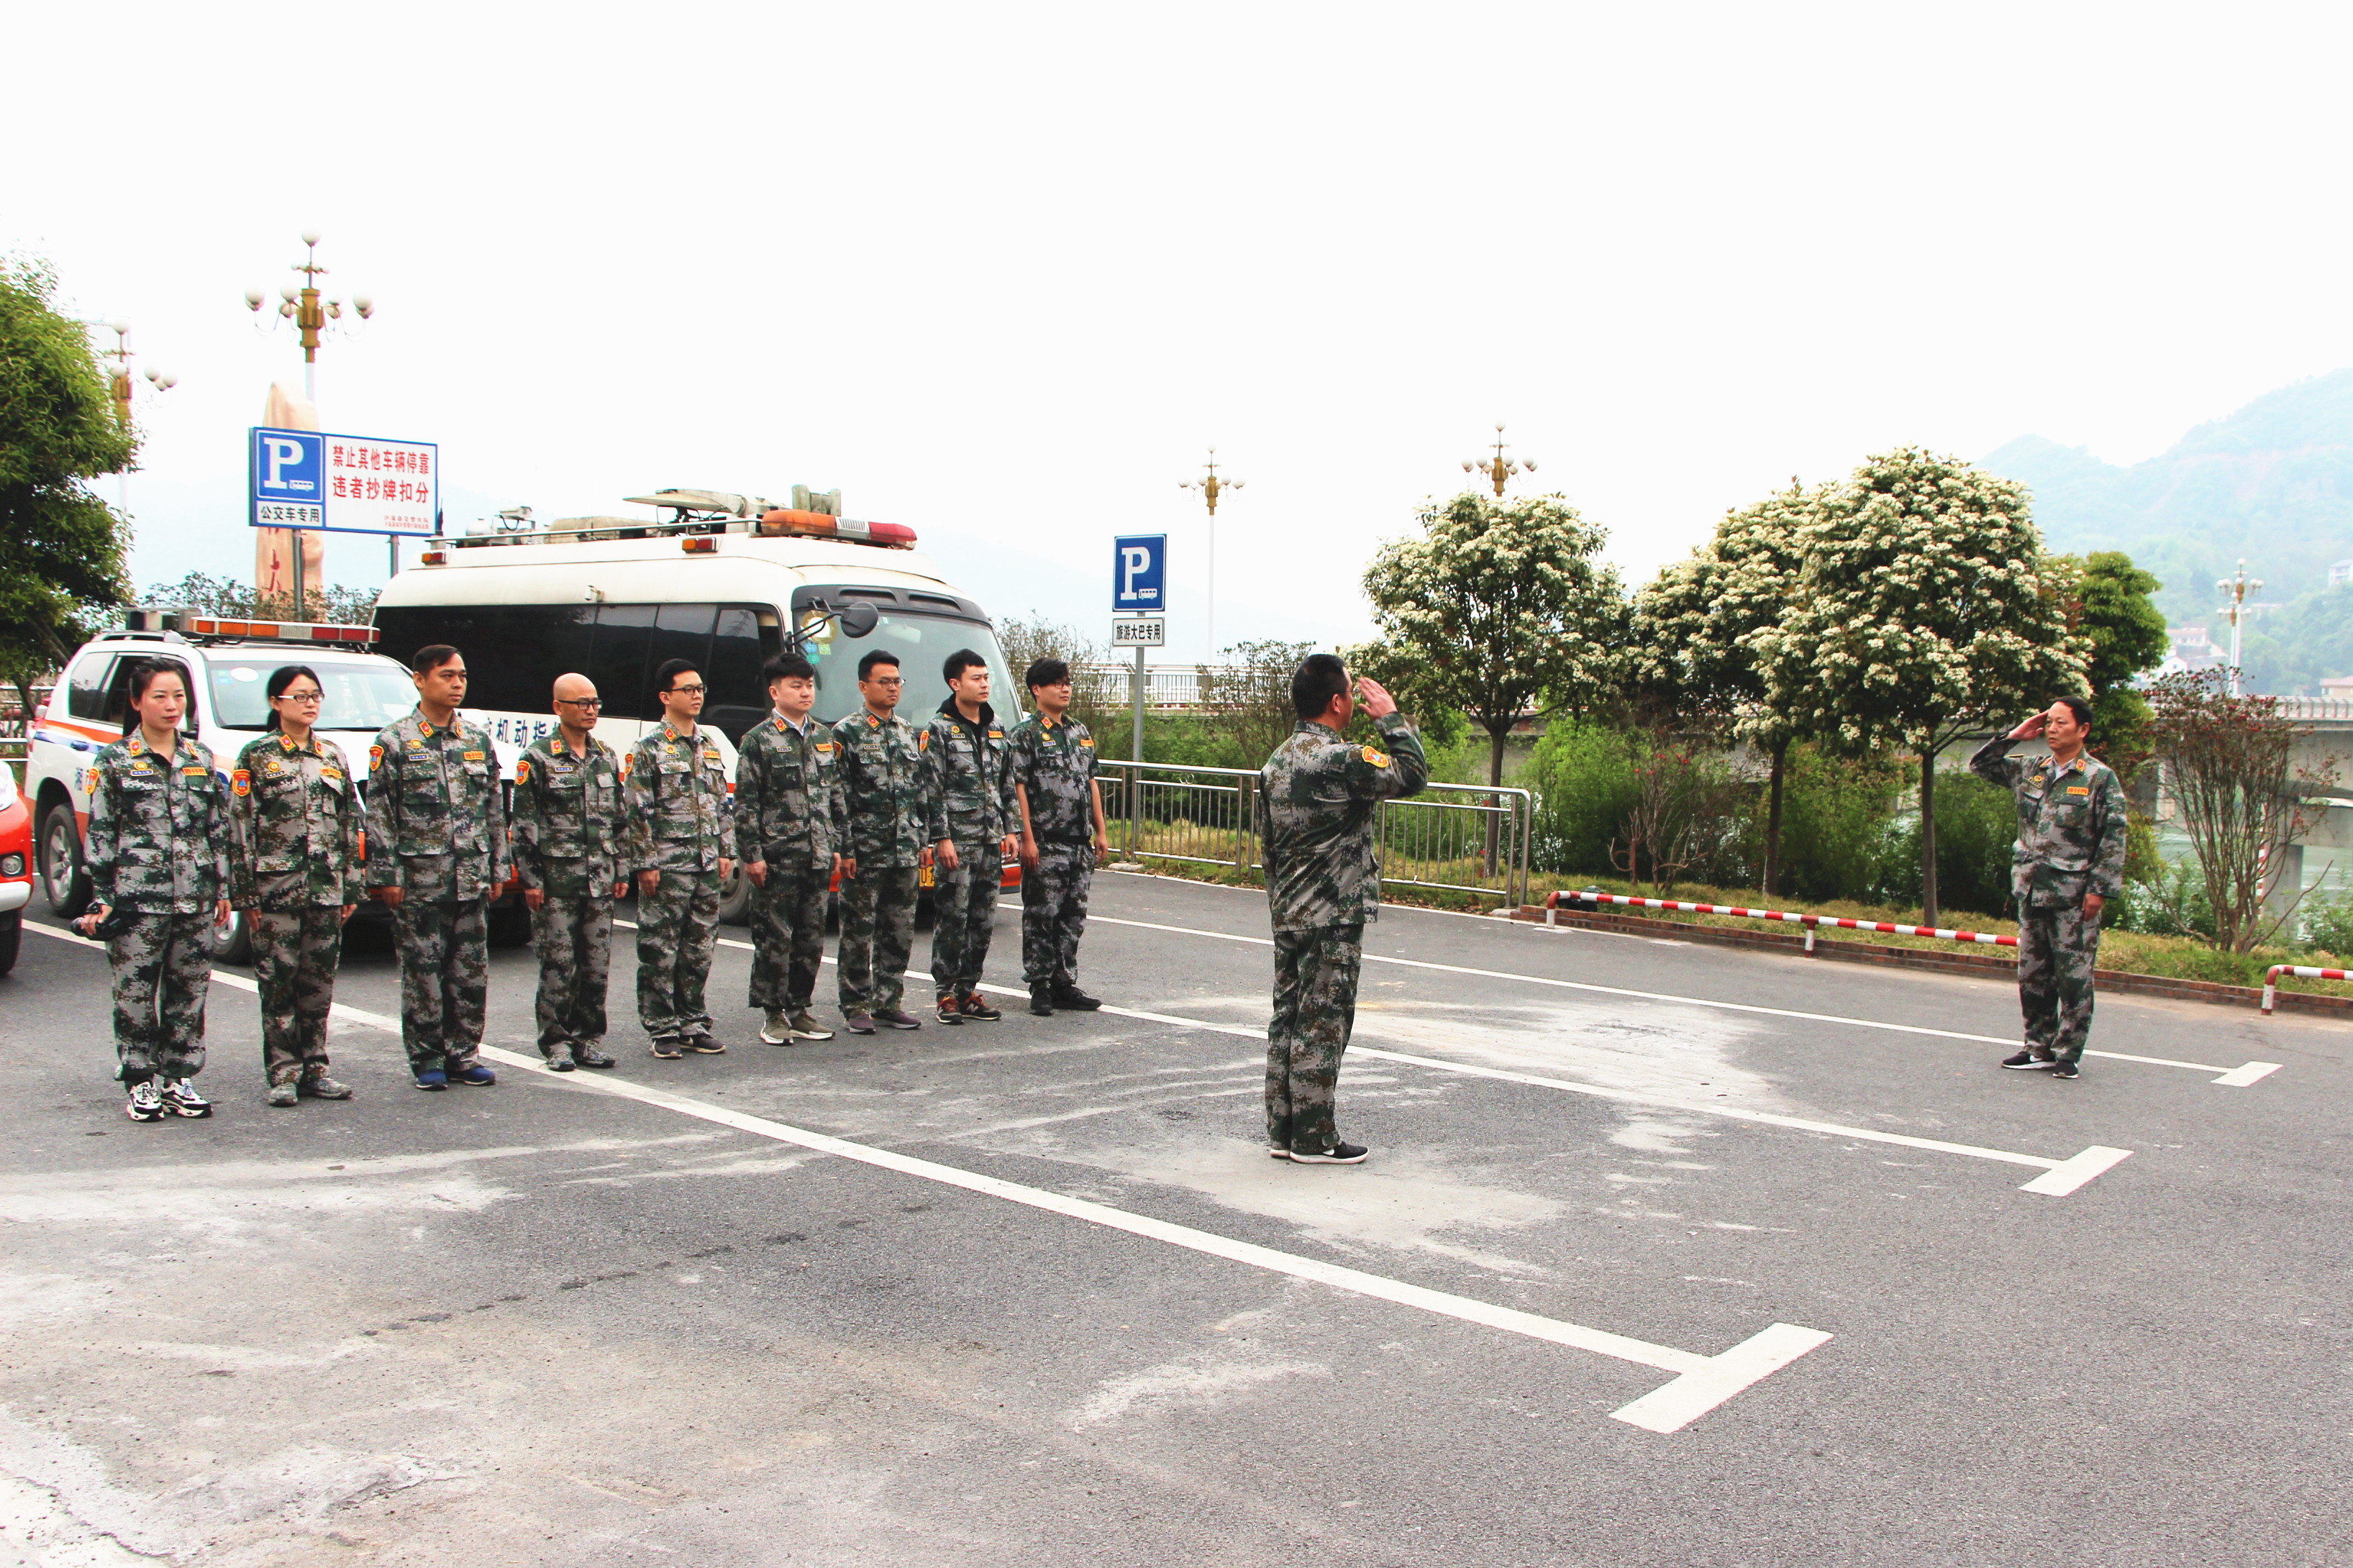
(872,800)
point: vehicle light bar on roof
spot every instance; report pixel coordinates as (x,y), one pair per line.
(820,525)
(285,631)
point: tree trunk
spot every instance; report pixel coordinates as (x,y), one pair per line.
(1928,836)
(1773,823)
(1495,739)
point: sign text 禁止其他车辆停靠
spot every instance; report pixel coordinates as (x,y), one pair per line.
(344,484)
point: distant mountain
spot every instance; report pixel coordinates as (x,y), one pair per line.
(2271,483)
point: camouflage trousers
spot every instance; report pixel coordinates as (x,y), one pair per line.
(574,939)
(445,976)
(963,916)
(788,935)
(2056,952)
(1054,913)
(295,953)
(878,935)
(162,967)
(1314,1010)
(678,931)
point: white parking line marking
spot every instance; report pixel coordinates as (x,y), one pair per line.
(2060,1178)
(2231,1076)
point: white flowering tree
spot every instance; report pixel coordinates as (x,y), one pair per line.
(1500,610)
(1917,616)
(1687,653)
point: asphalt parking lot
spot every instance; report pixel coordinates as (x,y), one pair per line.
(1666,1253)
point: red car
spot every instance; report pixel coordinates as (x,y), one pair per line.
(16,866)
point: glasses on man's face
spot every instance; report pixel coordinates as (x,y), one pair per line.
(889,680)
(306,698)
(582,702)
(688,690)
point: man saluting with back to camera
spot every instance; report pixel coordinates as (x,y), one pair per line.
(2070,860)
(1318,796)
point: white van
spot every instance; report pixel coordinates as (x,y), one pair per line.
(613,598)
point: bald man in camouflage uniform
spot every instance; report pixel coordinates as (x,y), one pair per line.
(571,832)
(2070,860)
(1318,799)
(437,849)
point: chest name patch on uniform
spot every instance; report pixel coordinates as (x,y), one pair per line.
(1090,745)
(996,734)
(198,772)
(825,748)
(1376,756)
(2078,789)
(474,756)
(240,783)
(332,775)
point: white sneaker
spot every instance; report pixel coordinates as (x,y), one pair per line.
(145,1104)
(776,1031)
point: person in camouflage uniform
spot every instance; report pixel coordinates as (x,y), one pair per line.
(157,851)
(1318,800)
(784,829)
(437,849)
(569,837)
(294,868)
(683,835)
(1052,763)
(883,814)
(970,760)
(2070,860)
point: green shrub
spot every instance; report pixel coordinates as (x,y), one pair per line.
(1976,828)
(1838,833)
(1583,777)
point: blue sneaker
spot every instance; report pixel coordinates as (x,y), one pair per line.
(434,1078)
(478,1077)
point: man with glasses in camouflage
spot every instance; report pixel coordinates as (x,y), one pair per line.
(683,837)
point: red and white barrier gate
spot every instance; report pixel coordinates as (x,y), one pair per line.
(1553,901)
(2301,972)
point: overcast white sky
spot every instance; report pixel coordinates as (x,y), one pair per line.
(1003,273)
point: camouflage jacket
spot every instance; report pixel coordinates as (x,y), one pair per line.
(1055,766)
(883,790)
(294,826)
(783,795)
(437,813)
(1317,799)
(973,776)
(159,834)
(677,790)
(570,829)
(2072,824)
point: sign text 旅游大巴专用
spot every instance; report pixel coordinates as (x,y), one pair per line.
(1139,571)
(344,484)
(1141,633)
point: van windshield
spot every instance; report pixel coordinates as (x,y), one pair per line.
(358,696)
(922,643)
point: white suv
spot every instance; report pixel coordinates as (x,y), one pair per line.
(229,663)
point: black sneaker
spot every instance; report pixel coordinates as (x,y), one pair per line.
(1070,999)
(2029,1060)
(857,1022)
(898,1018)
(1338,1154)
(948,1012)
(701,1041)
(586,1053)
(560,1064)
(2064,1070)
(1041,1001)
(180,1098)
(974,1007)
(666,1048)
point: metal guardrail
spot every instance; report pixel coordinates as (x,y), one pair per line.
(1467,838)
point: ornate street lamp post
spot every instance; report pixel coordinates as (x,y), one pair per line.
(2236,588)
(1212,484)
(313,315)
(1498,468)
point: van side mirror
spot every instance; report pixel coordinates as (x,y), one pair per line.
(859,618)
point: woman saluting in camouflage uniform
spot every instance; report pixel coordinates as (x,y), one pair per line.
(158,855)
(294,868)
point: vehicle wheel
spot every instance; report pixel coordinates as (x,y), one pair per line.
(64,878)
(511,926)
(11,937)
(233,943)
(735,898)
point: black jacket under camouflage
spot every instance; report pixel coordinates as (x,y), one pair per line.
(1318,798)
(2072,824)
(159,833)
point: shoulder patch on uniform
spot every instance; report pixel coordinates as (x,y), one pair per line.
(523,770)
(90,780)
(1376,756)
(923,742)
(240,783)
(375,756)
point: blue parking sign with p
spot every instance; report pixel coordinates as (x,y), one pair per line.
(289,466)
(1139,571)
